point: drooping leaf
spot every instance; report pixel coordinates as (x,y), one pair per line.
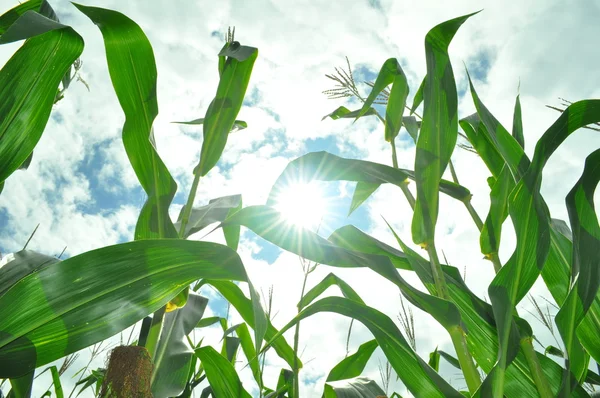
(451,360)
(173,354)
(390,73)
(215,211)
(362,192)
(585,270)
(20,264)
(416,375)
(233,294)
(439,130)
(237,125)
(28,85)
(28,25)
(221,374)
(481,140)
(476,315)
(205,322)
(133,74)
(87,298)
(343,112)
(353,365)
(531,219)
(503,143)
(557,276)
(324,166)
(10,16)
(222,111)
(328,281)
(359,387)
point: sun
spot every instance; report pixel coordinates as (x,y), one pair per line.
(301,204)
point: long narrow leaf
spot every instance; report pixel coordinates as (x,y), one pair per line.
(221,374)
(133,73)
(353,365)
(243,306)
(28,83)
(439,130)
(391,73)
(173,356)
(224,108)
(324,166)
(328,281)
(416,375)
(531,219)
(585,269)
(10,16)
(107,290)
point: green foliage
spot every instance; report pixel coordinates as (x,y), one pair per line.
(51,308)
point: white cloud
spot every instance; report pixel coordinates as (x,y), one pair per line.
(83,192)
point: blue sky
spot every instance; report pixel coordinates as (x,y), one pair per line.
(83,193)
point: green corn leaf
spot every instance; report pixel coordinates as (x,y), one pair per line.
(358,387)
(30,79)
(517,129)
(221,374)
(270,225)
(489,239)
(19,265)
(412,126)
(585,270)
(133,73)
(222,111)
(391,73)
(30,24)
(353,365)
(328,281)
(250,352)
(439,130)
(557,276)
(343,112)
(26,163)
(215,211)
(504,143)
(233,294)
(481,140)
(173,356)
(10,16)
(237,125)
(476,315)
(324,166)
(205,322)
(552,350)
(229,348)
(418,96)
(21,387)
(108,290)
(362,192)
(434,360)
(284,383)
(416,375)
(58,390)
(232,233)
(451,360)
(531,219)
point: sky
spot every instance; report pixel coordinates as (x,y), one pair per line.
(83,193)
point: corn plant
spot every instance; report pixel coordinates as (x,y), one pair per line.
(78,302)
(491,338)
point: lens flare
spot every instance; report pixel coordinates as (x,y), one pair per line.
(302,205)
